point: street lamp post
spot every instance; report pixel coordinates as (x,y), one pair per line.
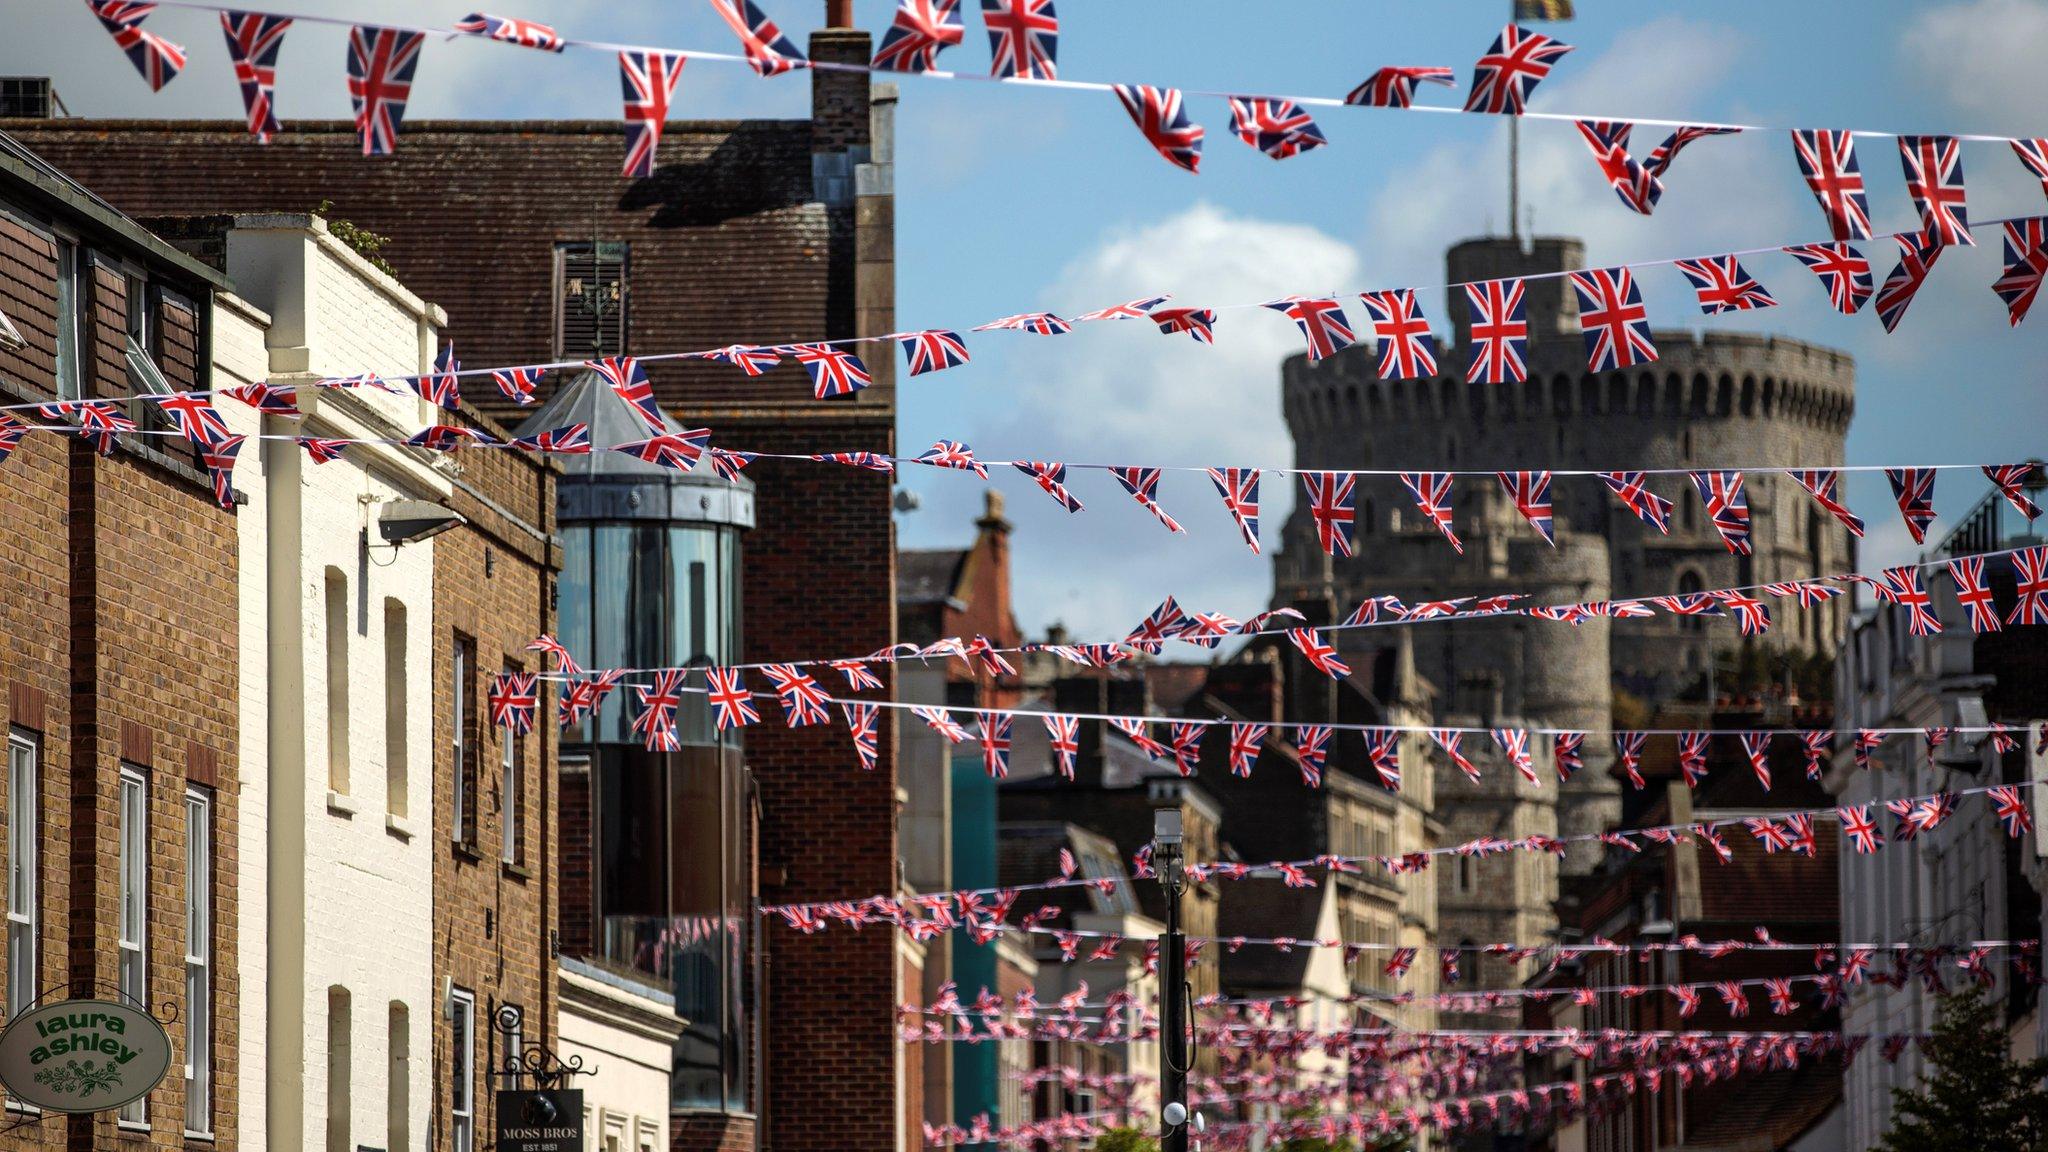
(1176,1045)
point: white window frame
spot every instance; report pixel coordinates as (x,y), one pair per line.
(462,1106)
(71,297)
(508,805)
(198,963)
(132,912)
(22,854)
(459,680)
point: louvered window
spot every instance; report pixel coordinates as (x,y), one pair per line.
(590,299)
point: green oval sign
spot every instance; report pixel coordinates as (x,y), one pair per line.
(83,1056)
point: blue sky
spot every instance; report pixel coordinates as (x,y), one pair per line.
(1013,200)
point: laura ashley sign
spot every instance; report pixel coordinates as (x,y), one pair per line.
(83,1056)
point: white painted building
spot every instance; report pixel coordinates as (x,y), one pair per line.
(336,867)
(624,1030)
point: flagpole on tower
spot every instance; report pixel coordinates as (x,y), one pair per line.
(1520,10)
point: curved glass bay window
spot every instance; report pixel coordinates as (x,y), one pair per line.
(651,579)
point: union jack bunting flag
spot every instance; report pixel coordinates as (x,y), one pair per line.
(1063,734)
(1187,745)
(680,451)
(1245,741)
(1688,999)
(1239,488)
(196,418)
(1330,504)
(1279,128)
(1810,593)
(1531,493)
(1514,743)
(443,386)
(1500,332)
(934,350)
(751,359)
(1632,488)
(253,40)
(515,701)
(1383,749)
(1756,746)
(2011,480)
(1734,997)
(1052,478)
(381,62)
(1913,488)
(1713,840)
(953,454)
(581,697)
(1198,323)
(860,724)
(156,58)
(1323,657)
(728,465)
(1632,182)
(1139,309)
(802,699)
(1518,61)
(1394,86)
(769,52)
(629,381)
(1934,179)
(1432,493)
(568,440)
(1692,757)
(1406,350)
(1398,963)
(656,722)
(919,32)
(1727,507)
(2002,740)
(2026,260)
(1751,614)
(1822,484)
(1860,829)
(1724,285)
(1452,742)
(1611,315)
(1628,747)
(448,437)
(1902,587)
(1660,158)
(275,399)
(322,450)
(1036,323)
(1162,116)
(2012,810)
(517,384)
(941,721)
(833,371)
(1143,485)
(1023,38)
(1567,752)
(647,80)
(1321,321)
(1311,748)
(1828,162)
(2030,566)
(1843,272)
(1780,990)
(218,458)
(565,660)
(1166,622)
(512,30)
(1768,833)
(1864,745)
(2034,154)
(99,421)
(1917,254)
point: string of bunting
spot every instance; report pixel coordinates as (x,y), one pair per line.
(1023,35)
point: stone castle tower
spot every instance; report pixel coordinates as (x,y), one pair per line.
(1717,399)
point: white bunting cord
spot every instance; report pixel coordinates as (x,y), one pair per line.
(448,33)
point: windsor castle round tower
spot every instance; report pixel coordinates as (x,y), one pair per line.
(1715,400)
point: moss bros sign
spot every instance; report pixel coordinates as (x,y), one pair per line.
(83,1056)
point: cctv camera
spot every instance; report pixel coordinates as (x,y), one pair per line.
(410,521)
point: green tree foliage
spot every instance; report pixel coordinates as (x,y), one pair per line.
(1125,1140)
(1972,1097)
(362,240)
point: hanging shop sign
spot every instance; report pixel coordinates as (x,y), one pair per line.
(540,1120)
(83,1056)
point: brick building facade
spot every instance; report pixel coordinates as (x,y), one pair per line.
(766,232)
(119,662)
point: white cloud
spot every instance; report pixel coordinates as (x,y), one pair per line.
(1983,56)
